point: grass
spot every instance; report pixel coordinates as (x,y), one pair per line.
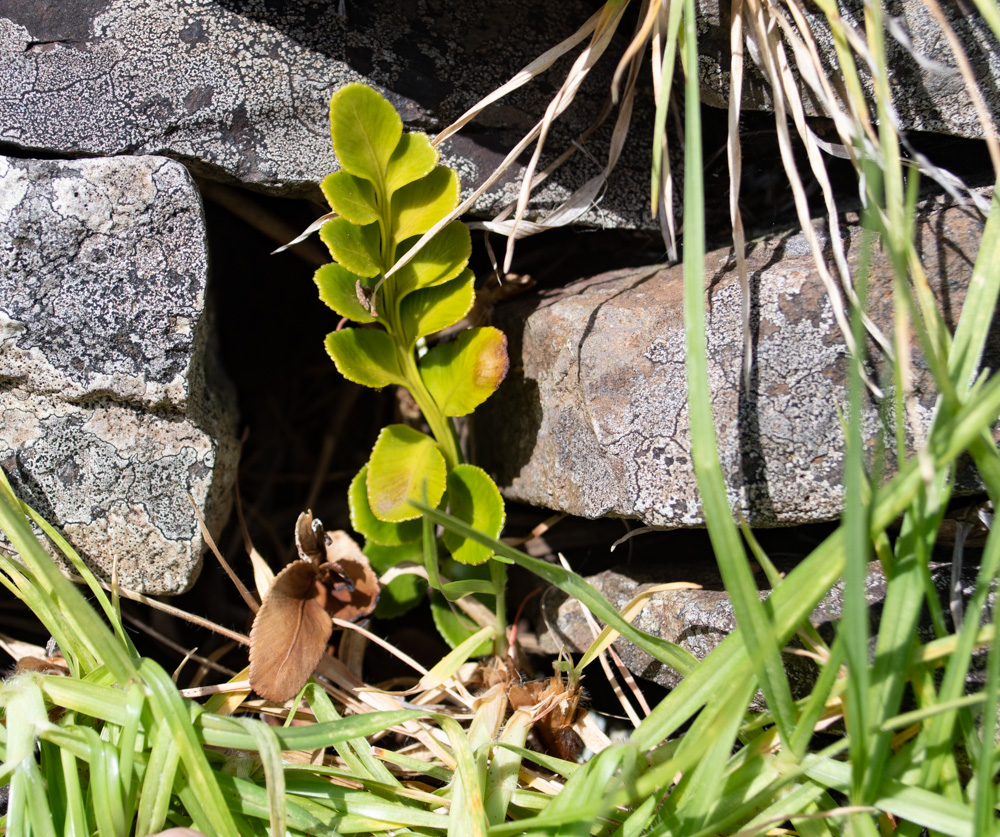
(889,742)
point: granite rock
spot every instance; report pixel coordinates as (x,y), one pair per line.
(111,409)
(593,420)
(927,87)
(239,89)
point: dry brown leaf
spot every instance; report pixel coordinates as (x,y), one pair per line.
(289,633)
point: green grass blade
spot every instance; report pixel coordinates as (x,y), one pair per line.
(468,810)
(274,775)
(20,581)
(111,613)
(252,801)
(76,815)
(221,731)
(560,767)
(105,786)
(712,740)
(980,303)
(501,780)
(726,542)
(79,623)
(36,801)
(853,625)
(637,821)
(170,710)
(157,783)
(984,799)
(356,751)
(92,699)
(927,809)
(127,743)
(804,587)
(813,706)
(569,582)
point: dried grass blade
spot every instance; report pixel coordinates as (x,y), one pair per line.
(794,102)
(628,613)
(767,47)
(263,575)
(846,39)
(178,613)
(586,195)
(459,210)
(247,597)
(227,703)
(851,119)
(610,17)
(664,60)
(972,87)
(308,231)
(520,78)
(406,658)
(648,16)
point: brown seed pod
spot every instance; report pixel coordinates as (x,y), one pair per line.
(310,538)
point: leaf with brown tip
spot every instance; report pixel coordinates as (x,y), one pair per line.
(289,633)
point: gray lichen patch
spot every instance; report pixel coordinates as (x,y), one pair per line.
(113,416)
(92,303)
(240,91)
(117,482)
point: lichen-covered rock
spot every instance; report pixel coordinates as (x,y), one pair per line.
(239,90)
(111,410)
(593,418)
(928,91)
(698,620)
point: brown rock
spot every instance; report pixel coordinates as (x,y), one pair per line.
(593,417)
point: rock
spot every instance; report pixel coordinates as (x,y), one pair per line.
(239,89)
(593,420)
(111,410)
(698,620)
(927,87)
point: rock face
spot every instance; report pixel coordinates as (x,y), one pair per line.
(593,418)
(239,89)
(111,411)
(698,620)
(927,87)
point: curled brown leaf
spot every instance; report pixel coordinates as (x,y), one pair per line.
(292,627)
(357,598)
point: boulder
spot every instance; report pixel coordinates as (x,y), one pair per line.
(239,90)
(698,620)
(113,416)
(593,419)
(927,87)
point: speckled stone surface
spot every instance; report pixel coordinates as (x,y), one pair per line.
(239,89)
(593,418)
(927,87)
(111,409)
(698,620)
